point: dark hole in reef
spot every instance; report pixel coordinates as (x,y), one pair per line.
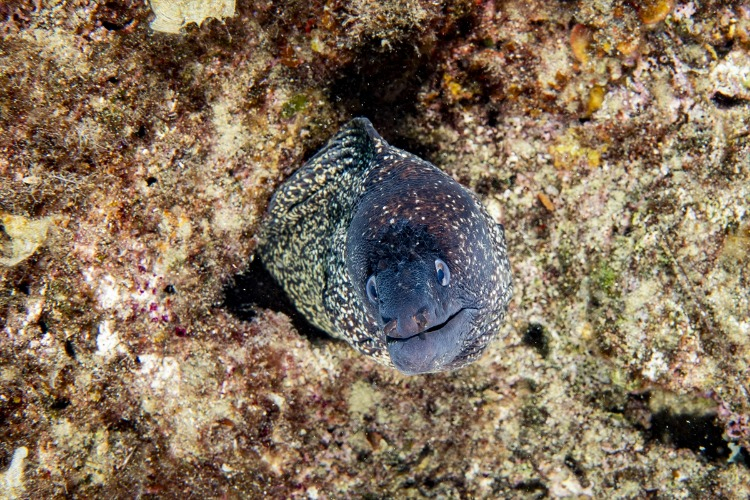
(113,79)
(430,482)
(4,238)
(151,180)
(112,26)
(169,289)
(364,457)
(487,185)
(60,404)
(573,464)
(696,431)
(24,287)
(725,48)
(723,101)
(256,289)
(535,487)
(70,349)
(493,116)
(382,84)
(141,132)
(43,326)
(536,337)
(123,424)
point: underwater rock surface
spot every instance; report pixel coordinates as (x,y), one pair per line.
(611,139)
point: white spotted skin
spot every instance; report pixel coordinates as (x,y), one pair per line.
(327,221)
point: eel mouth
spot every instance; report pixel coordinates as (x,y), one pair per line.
(432,350)
(391,326)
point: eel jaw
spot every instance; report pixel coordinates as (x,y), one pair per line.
(434,349)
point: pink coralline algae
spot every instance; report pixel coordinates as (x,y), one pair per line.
(736,426)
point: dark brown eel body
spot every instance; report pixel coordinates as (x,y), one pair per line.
(381,248)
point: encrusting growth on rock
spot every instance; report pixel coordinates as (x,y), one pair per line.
(381,248)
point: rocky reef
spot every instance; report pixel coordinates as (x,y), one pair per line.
(611,138)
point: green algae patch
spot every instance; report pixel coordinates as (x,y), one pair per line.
(294,105)
(606,278)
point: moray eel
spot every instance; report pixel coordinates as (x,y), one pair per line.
(381,248)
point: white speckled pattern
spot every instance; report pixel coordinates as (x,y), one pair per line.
(346,204)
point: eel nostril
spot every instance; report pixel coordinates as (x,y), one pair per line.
(421,318)
(390,326)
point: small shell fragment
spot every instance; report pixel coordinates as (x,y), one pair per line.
(596,98)
(20,237)
(655,11)
(580,41)
(546,202)
(173,15)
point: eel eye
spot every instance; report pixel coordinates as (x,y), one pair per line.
(443,273)
(372,289)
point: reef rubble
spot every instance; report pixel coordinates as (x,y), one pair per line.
(611,138)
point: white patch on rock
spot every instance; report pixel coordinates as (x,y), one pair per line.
(277,399)
(731,76)
(176,393)
(232,134)
(656,366)
(163,372)
(11,481)
(107,341)
(109,293)
(229,219)
(24,237)
(495,209)
(172,15)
